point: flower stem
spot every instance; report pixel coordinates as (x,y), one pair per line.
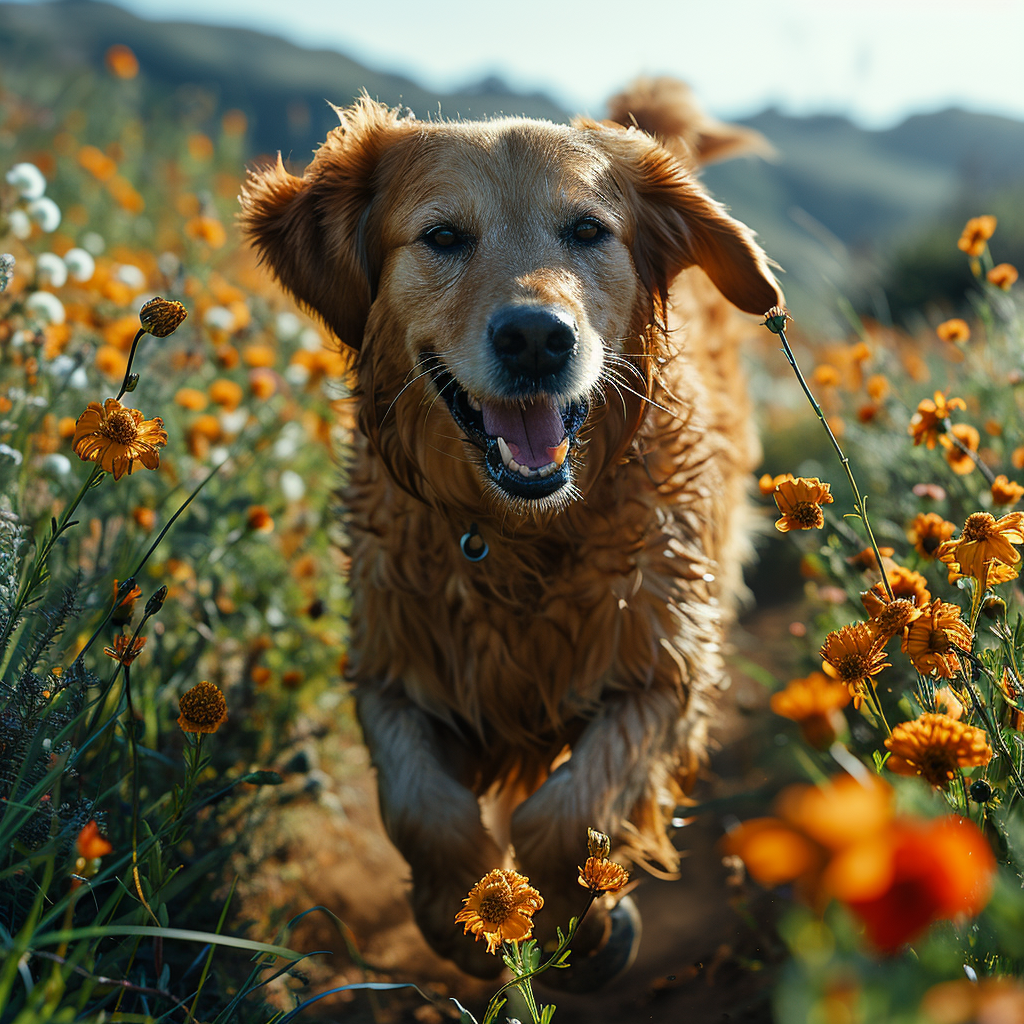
(859,505)
(142,332)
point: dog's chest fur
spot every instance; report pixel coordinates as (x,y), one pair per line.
(617,592)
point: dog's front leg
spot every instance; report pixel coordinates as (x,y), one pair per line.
(610,769)
(432,818)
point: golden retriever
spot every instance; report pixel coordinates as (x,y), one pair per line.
(544,496)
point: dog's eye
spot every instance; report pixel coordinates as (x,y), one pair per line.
(444,237)
(588,230)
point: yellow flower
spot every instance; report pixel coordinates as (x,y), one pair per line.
(161,317)
(955,330)
(602,875)
(928,531)
(125,650)
(203,708)
(118,438)
(929,421)
(936,747)
(977,231)
(906,585)
(986,543)
(1006,491)
(1003,275)
(799,500)
(932,639)
(767,483)
(500,908)
(814,703)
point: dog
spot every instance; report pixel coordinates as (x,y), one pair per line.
(546,490)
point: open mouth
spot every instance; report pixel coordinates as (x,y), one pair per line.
(526,443)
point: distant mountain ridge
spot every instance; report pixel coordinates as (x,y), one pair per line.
(835,191)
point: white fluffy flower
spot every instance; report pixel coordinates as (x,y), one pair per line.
(288,326)
(45,212)
(13,454)
(81,266)
(234,422)
(28,180)
(21,226)
(296,374)
(292,485)
(56,464)
(46,306)
(131,275)
(220,318)
(93,242)
(310,340)
(51,269)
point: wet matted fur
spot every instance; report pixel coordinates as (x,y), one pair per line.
(562,288)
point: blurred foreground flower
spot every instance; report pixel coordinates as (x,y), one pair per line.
(118,438)
(500,908)
(799,500)
(840,840)
(1003,275)
(936,747)
(955,331)
(988,1001)
(91,844)
(203,708)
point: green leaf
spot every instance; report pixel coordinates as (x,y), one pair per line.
(185,934)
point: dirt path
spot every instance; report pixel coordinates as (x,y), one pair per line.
(707,948)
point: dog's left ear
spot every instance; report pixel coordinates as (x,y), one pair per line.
(676,224)
(312,231)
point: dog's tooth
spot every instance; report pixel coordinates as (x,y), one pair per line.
(525,471)
(505,452)
(559,453)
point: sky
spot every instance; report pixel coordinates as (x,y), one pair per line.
(875,60)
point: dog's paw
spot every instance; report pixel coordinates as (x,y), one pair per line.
(606,963)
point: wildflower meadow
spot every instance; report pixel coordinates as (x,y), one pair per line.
(173,607)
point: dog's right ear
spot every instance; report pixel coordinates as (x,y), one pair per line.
(311,231)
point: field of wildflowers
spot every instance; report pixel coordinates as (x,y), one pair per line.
(172,611)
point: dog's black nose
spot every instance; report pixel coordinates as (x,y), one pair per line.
(533,341)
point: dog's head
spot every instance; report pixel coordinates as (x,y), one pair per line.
(510,272)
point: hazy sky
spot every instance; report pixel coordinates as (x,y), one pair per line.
(876,60)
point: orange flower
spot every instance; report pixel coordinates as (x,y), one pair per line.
(203,708)
(986,543)
(121,62)
(144,517)
(906,585)
(91,844)
(826,375)
(851,654)
(262,383)
(110,362)
(929,422)
(958,455)
(226,393)
(191,398)
(928,531)
(118,438)
(956,331)
(1006,491)
(259,356)
(767,483)
(259,519)
(208,230)
(97,163)
(877,387)
(936,747)
(892,617)
(799,500)
(977,231)
(774,853)
(125,650)
(997,1000)
(602,875)
(865,559)
(931,640)
(914,874)
(500,908)
(1003,275)
(841,813)
(124,608)
(814,703)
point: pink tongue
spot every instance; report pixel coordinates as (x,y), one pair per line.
(529,431)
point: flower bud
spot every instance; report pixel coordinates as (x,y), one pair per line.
(161,317)
(598,844)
